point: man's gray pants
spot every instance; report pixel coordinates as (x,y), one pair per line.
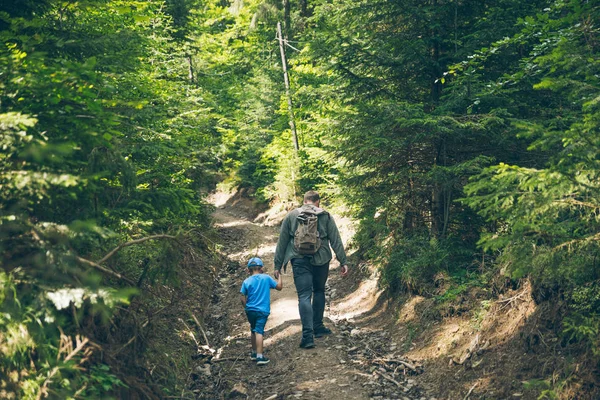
(310,284)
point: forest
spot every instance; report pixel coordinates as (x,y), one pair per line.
(462,136)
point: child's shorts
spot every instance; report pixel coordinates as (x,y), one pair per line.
(257,320)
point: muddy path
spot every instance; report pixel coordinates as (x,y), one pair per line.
(344,365)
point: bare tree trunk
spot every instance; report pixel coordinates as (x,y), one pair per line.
(190,69)
(287,88)
(409,213)
(440,198)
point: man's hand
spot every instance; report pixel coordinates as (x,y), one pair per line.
(344,270)
(276,274)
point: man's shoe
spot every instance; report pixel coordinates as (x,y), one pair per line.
(262,360)
(253,356)
(322,331)
(307,343)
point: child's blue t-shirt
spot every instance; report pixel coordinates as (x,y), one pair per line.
(257,289)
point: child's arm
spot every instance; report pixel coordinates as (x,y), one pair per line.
(279,282)
(243,299)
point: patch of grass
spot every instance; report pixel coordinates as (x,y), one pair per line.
(480,313)
(411,334)
(461,282)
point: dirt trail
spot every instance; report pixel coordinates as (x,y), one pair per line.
(335,369)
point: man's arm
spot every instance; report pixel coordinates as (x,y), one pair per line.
(335,241)
(282,244)
(279,282)
(244,299)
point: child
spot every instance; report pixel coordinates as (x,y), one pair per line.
(256,300)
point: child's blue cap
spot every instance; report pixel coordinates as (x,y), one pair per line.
(255,262)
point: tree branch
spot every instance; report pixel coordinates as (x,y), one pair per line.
(132,242)
(105,270)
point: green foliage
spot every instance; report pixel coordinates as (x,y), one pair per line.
(549,212)
(116,115)
(543,387)
(104,139)
(413,263)
(401,139)
(583,324)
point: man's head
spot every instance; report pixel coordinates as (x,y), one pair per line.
(312,197)
(255,264)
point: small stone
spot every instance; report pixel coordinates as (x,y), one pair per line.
(239,390)
(354,332)
(204,369)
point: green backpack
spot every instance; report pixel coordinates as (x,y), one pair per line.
(306,238)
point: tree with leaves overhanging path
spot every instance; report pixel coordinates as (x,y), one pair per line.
(452,130)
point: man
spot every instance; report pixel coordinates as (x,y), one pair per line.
(310,271)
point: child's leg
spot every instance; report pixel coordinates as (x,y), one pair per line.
(254,343)
(261,321)
(258,342)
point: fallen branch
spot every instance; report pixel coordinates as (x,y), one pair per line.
(43,392)
(389,378)
(362,374)
(508,302)
(190,333)
(218,360)
(390,360)
(201,329)
(470,391)
(513,298)
(125,345)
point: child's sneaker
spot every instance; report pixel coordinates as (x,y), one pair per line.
(262,360)
(253,356)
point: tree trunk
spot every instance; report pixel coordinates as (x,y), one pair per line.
(440,198)
(190,68)
(409,214)
(286,81)
(287,21)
